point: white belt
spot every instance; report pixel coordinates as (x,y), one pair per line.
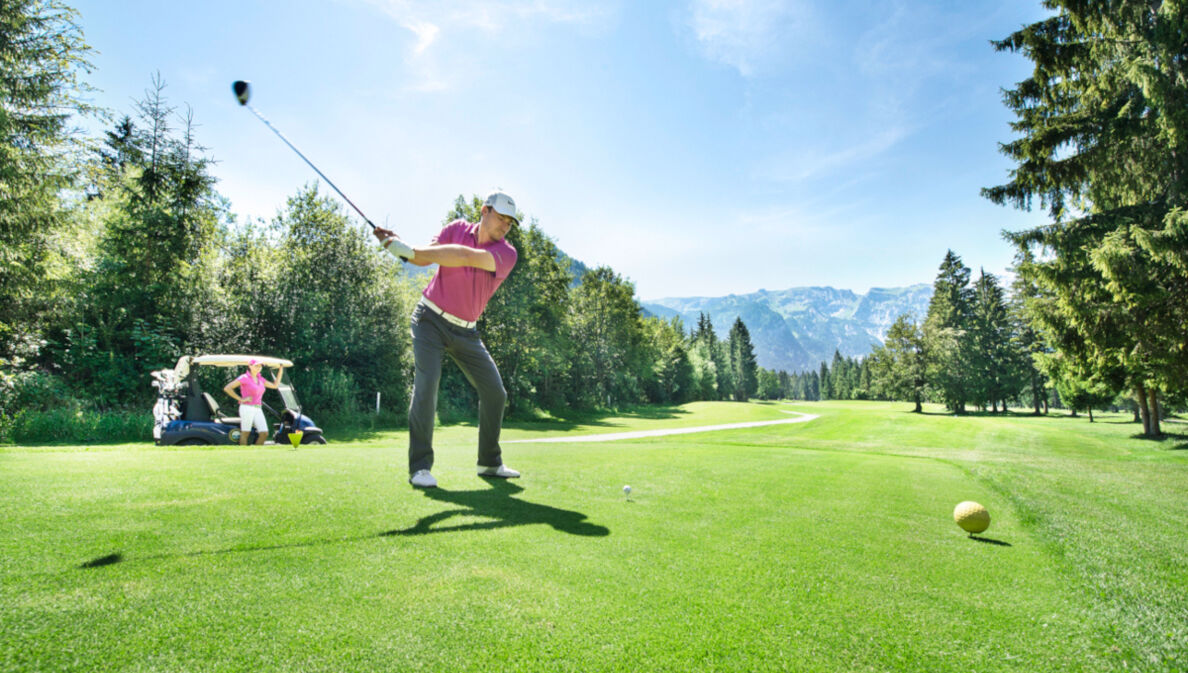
(449,317)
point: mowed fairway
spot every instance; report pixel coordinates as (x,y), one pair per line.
(819,546)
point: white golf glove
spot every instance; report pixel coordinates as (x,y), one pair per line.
(399,248)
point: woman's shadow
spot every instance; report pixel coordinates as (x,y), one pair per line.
(502,510)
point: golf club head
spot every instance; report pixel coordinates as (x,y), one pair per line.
(243,91)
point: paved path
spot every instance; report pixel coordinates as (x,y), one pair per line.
(610,437)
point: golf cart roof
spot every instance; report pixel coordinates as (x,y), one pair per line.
(239,360)
(182,370)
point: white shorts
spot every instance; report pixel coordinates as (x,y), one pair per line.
(252,414)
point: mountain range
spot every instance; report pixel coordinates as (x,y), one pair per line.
(793,330)
(797,329)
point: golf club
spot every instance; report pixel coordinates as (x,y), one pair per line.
(243,93)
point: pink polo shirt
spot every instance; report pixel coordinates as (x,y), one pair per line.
(465,290)
(251,389)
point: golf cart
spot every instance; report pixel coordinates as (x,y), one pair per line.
(186,414)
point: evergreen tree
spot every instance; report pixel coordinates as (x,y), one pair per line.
(144,300)
(670,379)
(839,380)
(1027,343)
(719,356)
(901,363)
(701,355)
(705,330)
(42,59)
(948,320)
(823,383)
(854,378)
(769,385)
(786,387)
(991,348)
(120,147)
(723,367)
(1075,390)
(705,376)
(801,383)
(865,380)
(742,359)
(1103,126)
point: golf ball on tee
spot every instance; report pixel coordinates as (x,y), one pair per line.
(972,517)
(627,490)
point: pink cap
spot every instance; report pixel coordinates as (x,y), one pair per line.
(253,361)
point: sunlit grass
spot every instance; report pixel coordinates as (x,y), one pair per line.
(818,546)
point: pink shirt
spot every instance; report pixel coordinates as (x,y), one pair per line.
(251,389)
(465,290)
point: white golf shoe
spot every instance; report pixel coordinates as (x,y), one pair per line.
(502,471)
(422,479)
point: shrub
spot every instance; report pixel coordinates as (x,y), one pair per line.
(34,390)
(73,425)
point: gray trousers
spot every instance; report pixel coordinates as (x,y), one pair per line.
(432,337)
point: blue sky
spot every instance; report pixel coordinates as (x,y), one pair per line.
(702,147)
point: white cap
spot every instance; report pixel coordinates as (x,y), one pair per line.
(502,204)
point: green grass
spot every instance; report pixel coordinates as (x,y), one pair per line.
(820,546)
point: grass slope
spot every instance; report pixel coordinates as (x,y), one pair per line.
(820,546)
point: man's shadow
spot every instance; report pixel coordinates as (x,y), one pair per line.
(503,510)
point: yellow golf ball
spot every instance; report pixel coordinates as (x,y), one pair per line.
(972,517)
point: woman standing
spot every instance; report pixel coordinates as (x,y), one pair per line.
(251,395)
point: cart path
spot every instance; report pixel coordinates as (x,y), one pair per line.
(610,437)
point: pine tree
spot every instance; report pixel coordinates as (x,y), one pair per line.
(742,358)
(717,355)
(992,354)
(705,330)
(151,293)
(42,59)
(901,363)
(839,379)
(1103,126)
(1027,344)
(945,328)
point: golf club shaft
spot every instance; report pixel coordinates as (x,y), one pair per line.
(311,165)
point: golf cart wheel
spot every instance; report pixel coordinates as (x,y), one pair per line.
(317,440)
(193,441)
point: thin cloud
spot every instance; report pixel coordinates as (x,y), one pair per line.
(802,164)
(909,49)
(426,34)
(749,35)
(454,22)
(513,15)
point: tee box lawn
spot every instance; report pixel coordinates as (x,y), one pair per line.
(827,545)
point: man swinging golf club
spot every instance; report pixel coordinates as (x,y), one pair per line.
(472,260)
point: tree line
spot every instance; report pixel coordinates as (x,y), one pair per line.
(977,347)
